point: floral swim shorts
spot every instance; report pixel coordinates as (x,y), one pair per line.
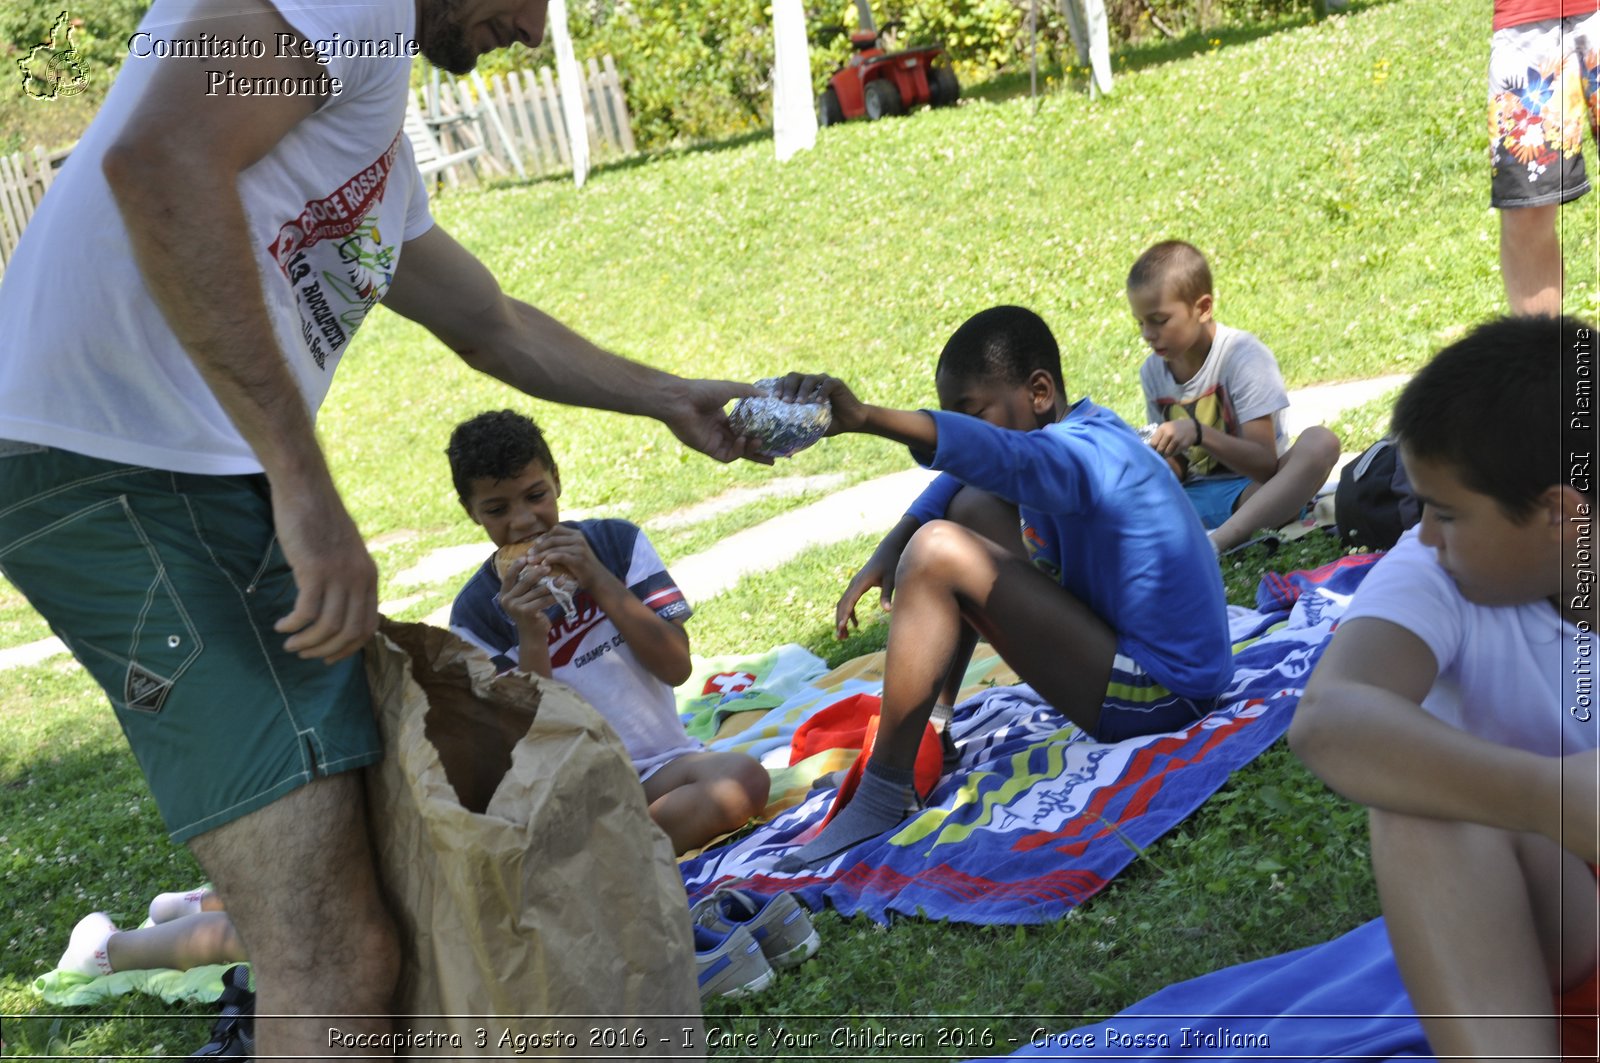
(1543,79)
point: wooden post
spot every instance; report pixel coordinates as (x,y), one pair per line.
(47,171)
(443,101)
(489,113)
(533,106)
(489,109)
(517,118)
(527,126)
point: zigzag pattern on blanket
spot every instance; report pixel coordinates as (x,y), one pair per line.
(1021,837)
(1038,818)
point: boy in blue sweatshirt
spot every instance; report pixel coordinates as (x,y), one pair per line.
(1108,603)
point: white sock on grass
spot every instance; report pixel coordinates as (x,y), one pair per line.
(86,951)
(880,803)
(169,906)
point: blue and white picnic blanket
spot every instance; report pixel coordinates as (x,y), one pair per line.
(1038,817)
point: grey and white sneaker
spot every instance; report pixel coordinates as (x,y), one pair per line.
(729,964)
(781,926)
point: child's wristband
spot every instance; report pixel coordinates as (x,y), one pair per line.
(1199,430)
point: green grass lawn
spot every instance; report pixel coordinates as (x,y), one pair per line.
(1335,173)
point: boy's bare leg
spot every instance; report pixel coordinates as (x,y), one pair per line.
(298,882)
(950,574)
(179,944)
(1530,259)
(1484,922)
(996,520)
(698,796)
(1302,471)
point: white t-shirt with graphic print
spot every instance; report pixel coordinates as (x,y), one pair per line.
(1238,382)
(90,364)
(587,651)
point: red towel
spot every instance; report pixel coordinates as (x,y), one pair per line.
(853,724)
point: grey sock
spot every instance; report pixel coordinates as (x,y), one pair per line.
(879,804)
(941,715)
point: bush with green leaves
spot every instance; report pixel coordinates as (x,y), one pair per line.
(99,33)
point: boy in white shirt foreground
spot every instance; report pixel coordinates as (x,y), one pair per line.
(1456,698)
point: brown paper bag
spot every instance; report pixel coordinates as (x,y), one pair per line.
(540,909)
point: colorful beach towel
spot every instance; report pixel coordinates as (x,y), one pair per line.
(197,985)
(1038,818)
(767,730)
(720,687)
(1336,1001)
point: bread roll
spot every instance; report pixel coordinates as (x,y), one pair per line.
(509,553)
(513,552)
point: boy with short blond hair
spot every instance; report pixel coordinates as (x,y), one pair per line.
(1217,399)
(1455,699)
(621,645)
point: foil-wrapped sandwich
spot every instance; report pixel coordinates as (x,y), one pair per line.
(560,583)
(779,428)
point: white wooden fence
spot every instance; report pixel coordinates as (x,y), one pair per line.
(509,125)
(24,177)
(515,121)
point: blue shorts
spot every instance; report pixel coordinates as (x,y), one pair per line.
(165,586)
(1215,497)
(1135,704)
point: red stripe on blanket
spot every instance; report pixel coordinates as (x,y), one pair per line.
(1067,884)
(1137,774)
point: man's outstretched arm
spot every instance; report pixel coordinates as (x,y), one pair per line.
(441,286)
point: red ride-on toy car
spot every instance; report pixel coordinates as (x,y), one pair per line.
(876,83)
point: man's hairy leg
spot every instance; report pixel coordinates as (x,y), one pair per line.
(297,880)
(1485,924)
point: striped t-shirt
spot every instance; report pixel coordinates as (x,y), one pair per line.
(587,652)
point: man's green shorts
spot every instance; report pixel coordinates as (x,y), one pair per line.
(166,586)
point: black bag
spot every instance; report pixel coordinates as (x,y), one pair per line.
(233,1035)
(1374,502)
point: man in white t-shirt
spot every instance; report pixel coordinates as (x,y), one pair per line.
(173,317)
(1456,699)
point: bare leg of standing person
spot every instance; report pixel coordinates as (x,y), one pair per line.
(298,881)
(1530,259)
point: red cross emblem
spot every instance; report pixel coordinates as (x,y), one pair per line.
(726,683)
